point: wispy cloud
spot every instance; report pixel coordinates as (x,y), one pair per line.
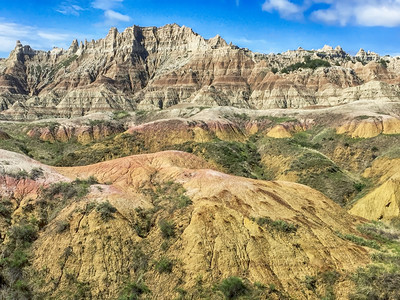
(237,2)
(70,8)
(38,38)
(110,14)
(113,15)
(106,4)
(340,12)
(51,36)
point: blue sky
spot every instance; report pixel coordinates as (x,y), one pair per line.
(260,25)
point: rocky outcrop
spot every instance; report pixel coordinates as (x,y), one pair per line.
(82,133)
(370,126)
(383,202)
(154,68)
(287,129)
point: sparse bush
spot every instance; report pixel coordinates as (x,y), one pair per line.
(164,265)
(380,232)
(383,63)
(279,225)
(18,259)
(5,210)
(22,174)
(134,291)
(143,222)
(62,226)
(167,229)
(375,282)
(310,283)
(140,260)
(24,233)
(358,240)
(106,211)
(374,149)
(36,173)
(359,186)
(119,115)
(242,117)
(232,287)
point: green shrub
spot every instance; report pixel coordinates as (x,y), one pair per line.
(18,259)
(23,233)
(143,222)
(119,115)
(106,211)
(358,240)
(279,225)
(242,117)
(310,283)
(167,229)
(164,265)
(232,287)
(5,210)
(36,173)
(62,226)
(383,63)
(376,282)
(359,186)
(134,291)
(140,260)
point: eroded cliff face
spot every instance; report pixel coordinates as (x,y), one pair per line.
(151,68)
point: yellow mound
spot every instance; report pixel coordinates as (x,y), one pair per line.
(217,234)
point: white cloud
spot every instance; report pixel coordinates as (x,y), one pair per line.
(53,36)
(116,16)
(285,8)
(341,12)
(70,10)
(110,14)
(13,29)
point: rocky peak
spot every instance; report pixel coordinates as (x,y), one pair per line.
(367,56)
(361,53)
(20,51)
(339,49)
(74,46)
(326,48)
(217,42)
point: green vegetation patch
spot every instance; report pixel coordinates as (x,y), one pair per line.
(167,228)
(164,265)
(233,287)
(120,115)
(134,291)
(307,64)
(279,225)
(358,240)
(106,211)
(240,159)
